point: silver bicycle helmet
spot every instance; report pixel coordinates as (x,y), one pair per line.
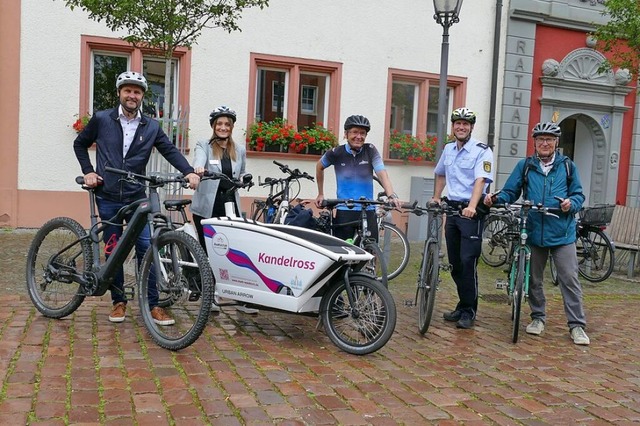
(222,111)
(547,128)
(463,114)
(131,77)
(357,121)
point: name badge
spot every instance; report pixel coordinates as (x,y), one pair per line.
(214,162)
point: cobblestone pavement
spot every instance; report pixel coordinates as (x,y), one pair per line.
(278,369)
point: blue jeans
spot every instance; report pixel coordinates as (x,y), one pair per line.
(112,233)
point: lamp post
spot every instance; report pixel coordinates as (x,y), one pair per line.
(447,12)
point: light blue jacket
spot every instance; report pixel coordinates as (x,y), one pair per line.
(205,195)
(544,230)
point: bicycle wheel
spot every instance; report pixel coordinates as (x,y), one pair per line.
(553,270)
(495,241)
(364,326)
(394,247)
(427,285)
(596,257)
(518,296)
(55,256)
(186,280)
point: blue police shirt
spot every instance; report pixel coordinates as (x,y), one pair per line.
(461,167)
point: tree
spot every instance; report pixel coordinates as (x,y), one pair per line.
(621,35)
(165,24)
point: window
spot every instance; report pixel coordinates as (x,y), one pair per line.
(302,92)
(308,100)
(103,59)
(413,105)
(106,68)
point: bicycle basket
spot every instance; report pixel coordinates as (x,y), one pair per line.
(597,215)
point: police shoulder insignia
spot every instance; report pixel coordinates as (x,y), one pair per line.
(487,166)
(482,145)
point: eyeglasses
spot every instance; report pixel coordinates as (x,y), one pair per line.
(357,132)
(543,141)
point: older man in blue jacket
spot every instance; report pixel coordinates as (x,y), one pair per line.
(124,139)
(540,178)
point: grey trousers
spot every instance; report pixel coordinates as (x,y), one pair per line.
(567,266)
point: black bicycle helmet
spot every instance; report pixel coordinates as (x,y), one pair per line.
(222,111)
(357,121)
(547,128)
(463,114)
(131,77)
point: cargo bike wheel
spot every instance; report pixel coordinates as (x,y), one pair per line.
(360,324)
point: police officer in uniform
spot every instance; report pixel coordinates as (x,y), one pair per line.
(465,169)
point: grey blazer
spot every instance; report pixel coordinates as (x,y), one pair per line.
(205,195)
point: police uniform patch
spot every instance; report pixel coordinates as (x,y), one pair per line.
(487,166)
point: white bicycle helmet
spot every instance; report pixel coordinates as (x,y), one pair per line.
(547,128)
(131,77)
(463,114)
(222,111)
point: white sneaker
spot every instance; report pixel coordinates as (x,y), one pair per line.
(579,336)
(536,327)
(247,310)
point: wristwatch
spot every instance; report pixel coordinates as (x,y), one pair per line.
(394,195)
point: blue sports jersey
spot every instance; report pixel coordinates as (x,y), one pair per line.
(354,171)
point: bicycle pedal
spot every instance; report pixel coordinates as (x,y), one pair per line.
(502,284)
(129,293)
(409,303)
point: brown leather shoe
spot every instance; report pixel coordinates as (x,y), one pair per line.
(160,317)
(118,312)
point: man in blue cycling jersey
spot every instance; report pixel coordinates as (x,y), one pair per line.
(354,163)
(124,139)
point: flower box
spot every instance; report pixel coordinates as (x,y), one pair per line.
(411,148)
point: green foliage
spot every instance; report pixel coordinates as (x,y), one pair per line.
(165,24)
(621,35)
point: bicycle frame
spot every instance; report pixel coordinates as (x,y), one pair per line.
(145,212)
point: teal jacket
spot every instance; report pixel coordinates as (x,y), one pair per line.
(545,230)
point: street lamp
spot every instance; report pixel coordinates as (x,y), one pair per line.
(447,12)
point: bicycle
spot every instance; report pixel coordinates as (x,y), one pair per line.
(362,237)
(430,265)
(298,270)
(64,265)
(517,284)
(275,208)
(393,243)
(595,251)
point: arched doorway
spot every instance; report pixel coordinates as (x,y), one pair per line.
(583,141)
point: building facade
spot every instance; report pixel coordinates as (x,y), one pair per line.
(551,74)
(311,63)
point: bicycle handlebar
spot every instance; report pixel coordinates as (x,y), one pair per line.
(433,207)
(293,174)
(156,181)
(527,205)
(350,202)
(245,182)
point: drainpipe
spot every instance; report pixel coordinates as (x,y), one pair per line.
(494,78)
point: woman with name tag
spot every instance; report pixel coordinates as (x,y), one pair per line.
(218,154)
